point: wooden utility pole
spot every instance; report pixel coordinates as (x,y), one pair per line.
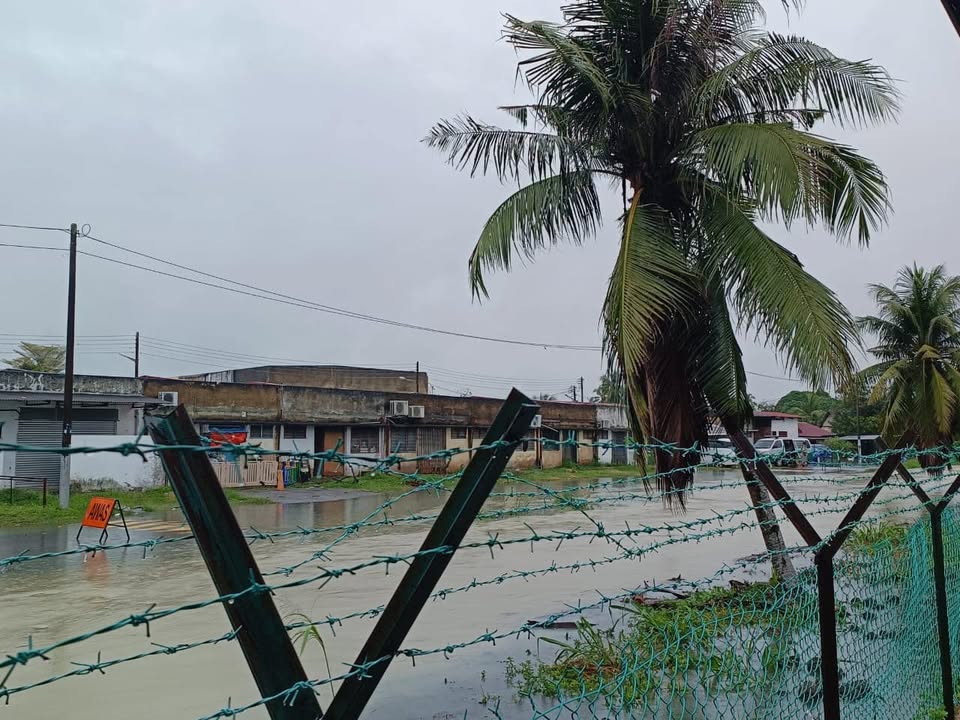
(136,355)
(418,376)
(68,369)
(582,396)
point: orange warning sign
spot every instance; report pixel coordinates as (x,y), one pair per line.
(98,512)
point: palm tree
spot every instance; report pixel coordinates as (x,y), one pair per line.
(38,358)
(703,125)
(917,327)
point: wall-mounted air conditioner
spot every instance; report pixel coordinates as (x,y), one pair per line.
(169,398)
(398,408)
(536,422)
(417,411)
(604,424)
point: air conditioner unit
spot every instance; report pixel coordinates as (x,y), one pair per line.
(399,407)
(537,421)
(169,398)
(417,411)
(605,424)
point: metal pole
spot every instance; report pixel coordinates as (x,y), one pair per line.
(136,355)
(68,370)
(418,376)
(829,661)
(582,398)
(943,624)
(953,11)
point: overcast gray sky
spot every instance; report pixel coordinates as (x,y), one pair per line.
(279,144)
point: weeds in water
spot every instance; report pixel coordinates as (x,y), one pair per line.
(727,637)
(309,633)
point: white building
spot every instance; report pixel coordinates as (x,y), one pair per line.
(106,411)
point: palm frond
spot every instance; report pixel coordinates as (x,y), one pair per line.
(557,208)
(778,70)
(800,317)
(509,154)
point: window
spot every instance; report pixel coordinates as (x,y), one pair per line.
(365,440)
(403,439)
(479,433)
(458,433)
(295,432)
(549,434)
(589,435)
(262,432)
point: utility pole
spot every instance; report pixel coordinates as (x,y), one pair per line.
(418,376)
(136,355)
(68,370)
(582,397)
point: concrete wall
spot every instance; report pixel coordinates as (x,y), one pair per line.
(791,426)
(324,376)
(21,380)
(8,434)
(95,470)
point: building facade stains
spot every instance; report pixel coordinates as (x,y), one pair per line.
(373,422)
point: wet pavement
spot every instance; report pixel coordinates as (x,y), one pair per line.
(51,599)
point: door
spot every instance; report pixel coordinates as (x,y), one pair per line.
(570,446)
(332,440)
(432,440)
(619,455)
(44,427)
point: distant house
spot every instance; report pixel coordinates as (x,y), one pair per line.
(814,433)
(769,423)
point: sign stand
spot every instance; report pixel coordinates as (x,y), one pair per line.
(99,515)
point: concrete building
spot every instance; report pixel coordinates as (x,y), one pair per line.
(769,423)
(375,423)
(106,410)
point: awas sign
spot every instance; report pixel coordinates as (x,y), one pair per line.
(99,513)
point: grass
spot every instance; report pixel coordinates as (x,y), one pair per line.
(393,483)
(27,509)
(654,647)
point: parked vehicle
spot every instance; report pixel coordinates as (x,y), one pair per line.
(785,452)
(719,451)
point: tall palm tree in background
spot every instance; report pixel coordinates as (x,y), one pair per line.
(703,125)
(917,327)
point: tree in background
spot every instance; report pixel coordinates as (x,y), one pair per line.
(703,124)
(917,327)
(812,406)
(610,389)
(545,396)
(39,358)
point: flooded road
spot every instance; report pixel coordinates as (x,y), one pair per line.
(51,599)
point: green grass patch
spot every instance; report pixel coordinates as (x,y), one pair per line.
(27,508)
(655,646)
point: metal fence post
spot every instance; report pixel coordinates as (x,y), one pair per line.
(935,509)
(824,552)
(259,628)
(472,490)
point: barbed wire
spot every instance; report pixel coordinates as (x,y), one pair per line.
(579,501)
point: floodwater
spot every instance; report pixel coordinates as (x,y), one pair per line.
(48,600)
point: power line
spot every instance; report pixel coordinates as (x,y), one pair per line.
(33,247)
(266,294)
(32,227)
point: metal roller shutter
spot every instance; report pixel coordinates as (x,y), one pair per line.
(44,426)
(39,427)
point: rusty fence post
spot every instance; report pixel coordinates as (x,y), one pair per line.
(824,551)
(259,628)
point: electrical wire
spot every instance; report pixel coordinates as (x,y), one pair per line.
(266,294)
